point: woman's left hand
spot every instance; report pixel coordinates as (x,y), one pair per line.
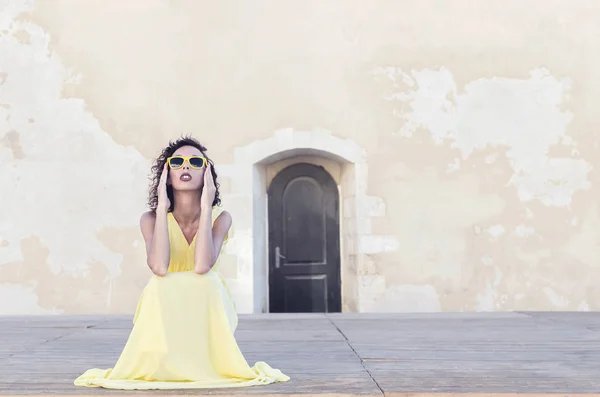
(208,190)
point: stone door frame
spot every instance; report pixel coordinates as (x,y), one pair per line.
(247,200)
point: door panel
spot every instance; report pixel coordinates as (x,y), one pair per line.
(304,252)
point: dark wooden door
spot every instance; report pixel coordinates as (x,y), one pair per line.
(304,241)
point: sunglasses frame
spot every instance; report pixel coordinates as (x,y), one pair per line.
(204,161)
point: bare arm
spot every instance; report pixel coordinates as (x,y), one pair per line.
(156,235)
(156,231)
(209,239)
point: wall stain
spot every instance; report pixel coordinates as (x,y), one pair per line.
(11,141)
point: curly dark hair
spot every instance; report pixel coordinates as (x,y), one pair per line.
(159,163)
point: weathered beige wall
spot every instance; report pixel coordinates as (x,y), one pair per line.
(476,118)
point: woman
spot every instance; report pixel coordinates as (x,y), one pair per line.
(182,335)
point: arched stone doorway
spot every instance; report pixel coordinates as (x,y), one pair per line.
(254,166)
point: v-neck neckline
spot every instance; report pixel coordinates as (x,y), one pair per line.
(189,244)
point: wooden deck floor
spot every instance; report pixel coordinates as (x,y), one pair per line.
(337,355)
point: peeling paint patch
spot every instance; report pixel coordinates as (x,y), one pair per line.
(404,298)
(11,141)
(519,296)
(23,300)
(556,300)
(523,231)
(496,231)
(583,307)
(374,206)
(44,160)
(522,115)
(585,245)
(487,300)
(454,166)
(373,244)
(528,214)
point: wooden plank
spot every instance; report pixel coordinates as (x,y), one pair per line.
(311,351)
(401,355)
(53,321)
(500,316)
(495,354)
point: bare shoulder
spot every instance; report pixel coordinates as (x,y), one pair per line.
(147,221)
(221,227)
(223,220)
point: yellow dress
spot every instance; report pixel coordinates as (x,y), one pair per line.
(183,333)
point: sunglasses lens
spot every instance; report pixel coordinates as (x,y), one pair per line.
(176,162)
(197,162)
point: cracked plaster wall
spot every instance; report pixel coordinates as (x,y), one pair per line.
(476,120)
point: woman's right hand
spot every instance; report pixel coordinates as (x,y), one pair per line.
(163,200)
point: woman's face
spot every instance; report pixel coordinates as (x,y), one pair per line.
(187,173)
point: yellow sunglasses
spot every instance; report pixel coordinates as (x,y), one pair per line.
(176,162)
